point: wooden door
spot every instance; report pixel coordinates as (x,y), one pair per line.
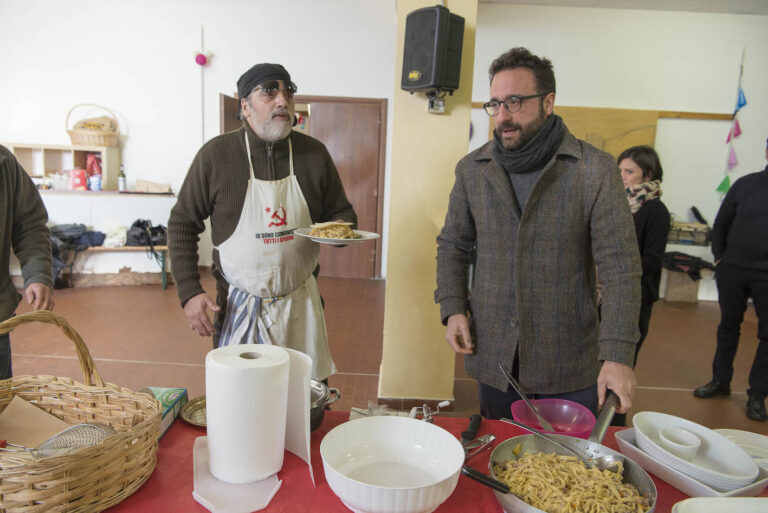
(354,131)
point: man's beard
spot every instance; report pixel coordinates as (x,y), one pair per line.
(273,130)
(526,133)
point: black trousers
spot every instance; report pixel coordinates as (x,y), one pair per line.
(734,286)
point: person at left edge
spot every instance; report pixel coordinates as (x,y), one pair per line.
(257,185)
(23,228)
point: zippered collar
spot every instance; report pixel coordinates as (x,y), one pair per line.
(272,151)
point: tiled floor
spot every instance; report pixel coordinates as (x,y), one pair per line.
(138,336)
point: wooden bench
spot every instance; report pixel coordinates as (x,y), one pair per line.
(162,250)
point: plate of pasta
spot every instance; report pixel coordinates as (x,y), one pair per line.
(335,233)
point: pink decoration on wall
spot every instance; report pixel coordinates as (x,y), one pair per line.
(201,59)
(732,160)
(735,130)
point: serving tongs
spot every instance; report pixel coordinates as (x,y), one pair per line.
(542,421)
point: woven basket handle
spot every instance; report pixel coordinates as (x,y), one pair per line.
(117,123)
(87,364)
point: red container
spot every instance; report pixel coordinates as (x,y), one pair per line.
(78,180)
(567,417)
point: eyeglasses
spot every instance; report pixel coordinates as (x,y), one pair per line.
(270,88)
(511,103)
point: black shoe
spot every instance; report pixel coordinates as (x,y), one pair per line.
(712,389)
(756,408)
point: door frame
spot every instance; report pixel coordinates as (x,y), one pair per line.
(382,103)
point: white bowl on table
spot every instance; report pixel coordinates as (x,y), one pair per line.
(391,464)
(680,442)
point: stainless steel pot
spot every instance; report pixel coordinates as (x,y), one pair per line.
(320,397)
(589,450)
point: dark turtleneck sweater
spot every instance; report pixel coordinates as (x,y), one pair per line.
(215,188)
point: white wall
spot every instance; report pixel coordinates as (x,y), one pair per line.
(657,60)
(137,58)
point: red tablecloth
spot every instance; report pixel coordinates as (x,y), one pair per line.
(169,488)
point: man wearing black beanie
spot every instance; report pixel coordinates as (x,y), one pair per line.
(257,185)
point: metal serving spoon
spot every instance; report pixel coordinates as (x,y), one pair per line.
(607,462)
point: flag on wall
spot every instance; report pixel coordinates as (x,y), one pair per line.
(733,132)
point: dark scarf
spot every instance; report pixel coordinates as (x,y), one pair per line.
(536,152)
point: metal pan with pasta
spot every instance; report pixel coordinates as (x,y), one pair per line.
(558,483)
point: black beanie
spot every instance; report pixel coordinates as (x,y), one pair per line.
(258,74)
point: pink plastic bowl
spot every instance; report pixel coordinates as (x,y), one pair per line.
(567,417)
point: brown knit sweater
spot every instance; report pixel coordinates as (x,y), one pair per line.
(215,187)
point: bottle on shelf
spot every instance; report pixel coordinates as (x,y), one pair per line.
(121,179)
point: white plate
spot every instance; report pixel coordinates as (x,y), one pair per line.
(718,505)
(304,232)
(753,444)
(684,483)
(719,463)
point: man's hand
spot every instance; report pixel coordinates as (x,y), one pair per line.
(457,334)
(40,296)
(197,316)
(621,379)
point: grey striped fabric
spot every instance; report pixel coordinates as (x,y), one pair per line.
(241,322)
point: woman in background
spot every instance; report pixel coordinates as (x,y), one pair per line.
(641,172)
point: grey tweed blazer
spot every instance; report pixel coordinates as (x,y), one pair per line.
(576,218)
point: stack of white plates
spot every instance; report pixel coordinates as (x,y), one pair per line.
(719,463)
(753,444)
(718,505)
(684,483)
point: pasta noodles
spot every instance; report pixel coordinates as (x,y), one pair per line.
(334,231)
(557,483)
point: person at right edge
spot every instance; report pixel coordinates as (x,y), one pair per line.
(537,209)
(740,248)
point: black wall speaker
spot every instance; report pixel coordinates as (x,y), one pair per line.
(432,51)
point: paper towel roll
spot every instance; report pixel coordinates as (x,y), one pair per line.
(246,388)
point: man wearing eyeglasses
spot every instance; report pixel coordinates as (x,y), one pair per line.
(537,210)
(257,185)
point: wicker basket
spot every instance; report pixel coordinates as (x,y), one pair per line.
(93,137)
(93,478)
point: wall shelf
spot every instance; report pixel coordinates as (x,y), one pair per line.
(44,160)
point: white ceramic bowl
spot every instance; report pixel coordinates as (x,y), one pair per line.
(390,464)
(719,463)
(680,442)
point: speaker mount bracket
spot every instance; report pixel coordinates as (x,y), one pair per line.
(436,101)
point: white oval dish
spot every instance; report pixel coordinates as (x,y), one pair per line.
(689,486)
(389,464)
(719,504)
(753,444)
(719,463)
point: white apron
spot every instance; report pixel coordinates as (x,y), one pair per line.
(273,296)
